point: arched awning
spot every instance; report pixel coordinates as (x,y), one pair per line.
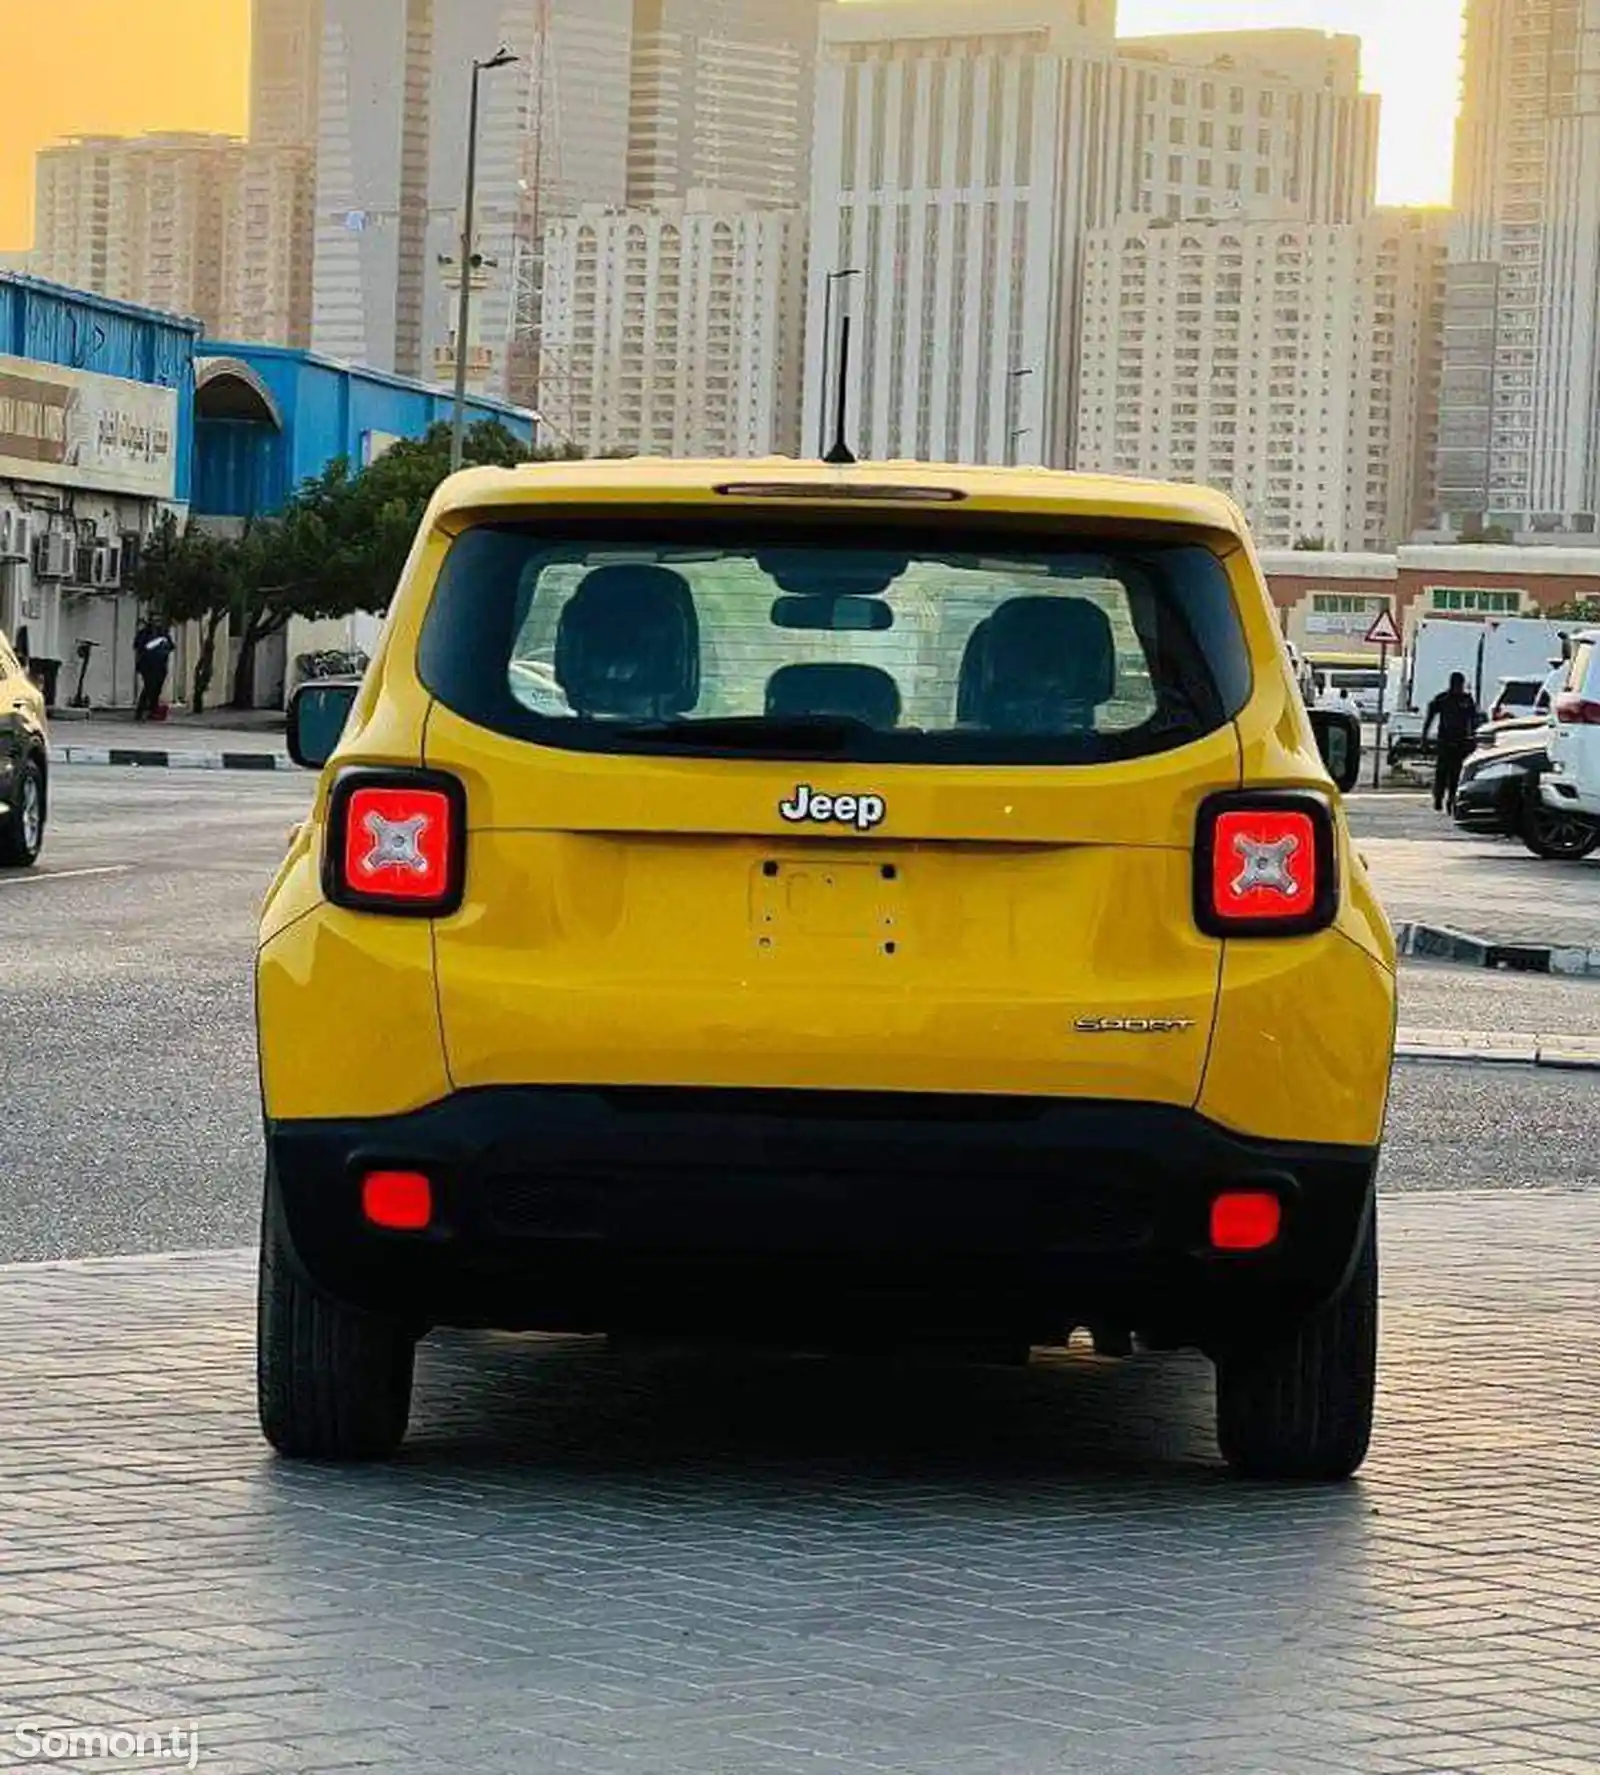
(226,388)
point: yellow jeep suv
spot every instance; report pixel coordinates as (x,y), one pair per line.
(815,905)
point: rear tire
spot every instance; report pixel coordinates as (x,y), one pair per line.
(22,828)
(1557,837)
(1302,1408)
(332,1384)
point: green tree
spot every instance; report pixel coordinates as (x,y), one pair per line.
(1310,545)
(340,543)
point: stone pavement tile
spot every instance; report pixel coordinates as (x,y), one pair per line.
(591,1565)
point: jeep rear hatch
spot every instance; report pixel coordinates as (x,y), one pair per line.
(831,800)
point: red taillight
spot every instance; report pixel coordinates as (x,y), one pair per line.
(396,842)
(1245,1220)
(1264,865)
(401,1201)
(1573,710)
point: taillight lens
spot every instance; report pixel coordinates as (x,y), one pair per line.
(1265,865)
(396,842)
(1573,710)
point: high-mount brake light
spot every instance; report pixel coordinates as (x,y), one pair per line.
(1265,865)
(396,842)
(879,493)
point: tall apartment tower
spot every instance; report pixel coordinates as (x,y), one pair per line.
(285,49)
(675,331)
(1289,363)
(1519,442)
(142,218)
(721,99)
(1252,122)
(72,211)
(391,167)
(959,157)
(963,156)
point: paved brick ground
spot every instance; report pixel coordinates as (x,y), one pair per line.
(730,1567)
(1426,868)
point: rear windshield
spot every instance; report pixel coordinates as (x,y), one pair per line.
(1518,692)
(805,642)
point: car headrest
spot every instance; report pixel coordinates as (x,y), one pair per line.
(861,693)
(1039,665)
(628,644)
(969,686)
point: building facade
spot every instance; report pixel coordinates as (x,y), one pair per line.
(1291,364)
(1519,429)
(721,99)
(963,159)
(1253,122)
(285,53)
(200,225)
(675,331)
(1327,602)
(96,430)
(391,172)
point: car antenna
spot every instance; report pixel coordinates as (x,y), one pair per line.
(841,455)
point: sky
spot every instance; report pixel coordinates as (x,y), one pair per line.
(123,66)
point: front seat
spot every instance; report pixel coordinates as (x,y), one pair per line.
(628,645)
(856,692)
(1039,665)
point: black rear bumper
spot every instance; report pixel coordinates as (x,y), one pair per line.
(814,1214)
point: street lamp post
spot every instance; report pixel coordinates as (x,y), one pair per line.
(834,277)
(1014,433)
(502,57)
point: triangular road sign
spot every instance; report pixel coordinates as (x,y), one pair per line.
(1383,632)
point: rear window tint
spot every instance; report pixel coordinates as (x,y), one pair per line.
(805,640)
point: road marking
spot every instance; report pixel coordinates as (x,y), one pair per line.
(64,874)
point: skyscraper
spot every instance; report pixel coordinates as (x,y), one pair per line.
(1519,426)
(675,330)
(1288,363)
(285,46)
(721,99)
(392,164)
(962,157)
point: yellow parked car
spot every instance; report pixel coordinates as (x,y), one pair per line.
(822,906)
(24,763)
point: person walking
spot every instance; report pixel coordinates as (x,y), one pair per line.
(153,648)
(1456,712)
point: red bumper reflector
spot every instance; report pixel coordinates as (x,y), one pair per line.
(402,1201)
(1245,1220)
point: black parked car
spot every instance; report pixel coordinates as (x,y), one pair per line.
(1495,782)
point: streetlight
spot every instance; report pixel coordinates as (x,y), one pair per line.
(502,58)
(1014,433)
(834,277)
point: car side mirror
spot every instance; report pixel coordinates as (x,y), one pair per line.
(1339,741)
(316,718)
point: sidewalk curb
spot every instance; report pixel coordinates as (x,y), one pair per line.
(1456,1047)
(146,758)
(1437,942)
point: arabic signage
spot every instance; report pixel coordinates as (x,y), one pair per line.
(75,428)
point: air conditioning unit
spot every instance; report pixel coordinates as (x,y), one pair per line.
(55,555)
(107,569)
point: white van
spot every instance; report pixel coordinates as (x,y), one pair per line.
(1566,822)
